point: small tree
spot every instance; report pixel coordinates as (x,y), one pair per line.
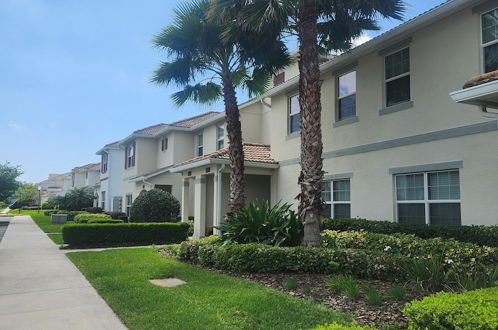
(78,198)
(28,193)
(8,180)
(155,206)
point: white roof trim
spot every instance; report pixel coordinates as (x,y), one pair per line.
(209,161)
(148,176)
(476,95)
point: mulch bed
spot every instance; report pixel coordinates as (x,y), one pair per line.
(314,287)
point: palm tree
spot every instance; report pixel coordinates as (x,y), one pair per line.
(208,67)
(320,26)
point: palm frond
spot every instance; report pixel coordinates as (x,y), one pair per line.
(207,93)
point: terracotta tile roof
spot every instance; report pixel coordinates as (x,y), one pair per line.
(192,121)
(151,130)
(253,152)
(481,79)
(90,166)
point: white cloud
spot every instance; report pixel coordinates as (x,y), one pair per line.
(17,126)
(361,39)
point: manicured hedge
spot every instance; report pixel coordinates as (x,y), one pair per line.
(125,233)
(259,258)
(481,235)
(476,309)
(101,221)
(85,217)
(411,246)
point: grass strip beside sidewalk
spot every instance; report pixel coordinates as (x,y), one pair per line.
(208,301)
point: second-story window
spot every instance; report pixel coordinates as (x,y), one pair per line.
(489,23)
(130,155)
(200,144)
(220,136)
(294,114)
(397,67)
(104,162)
(346,96)
(164,143)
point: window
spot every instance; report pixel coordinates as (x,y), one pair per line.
(164,143)
(220,135)
(489,25)
(164,187)
(346,96)
(200,144)
(397,67)
(429,198)
(337,198)
(294,114)
(129,201)
(130,155)
(103,201)
(104,162)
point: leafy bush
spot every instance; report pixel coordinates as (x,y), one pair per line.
(117,215)
(470,310)
(261,258)
(92,209)
(102,221)
(259,223)
(411,246)
(85,217)
(155,206)
(124,233)
(481,235)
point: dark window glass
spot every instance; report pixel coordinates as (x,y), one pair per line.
(294,114)
(398,91)
(445,214)
(411,213)
(295,123)
(398,63)
(491,58)
(490,26)
(327,211)
(342,211)
(347,107)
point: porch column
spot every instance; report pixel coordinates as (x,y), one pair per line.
(217,202)
(185,199)
(200,207)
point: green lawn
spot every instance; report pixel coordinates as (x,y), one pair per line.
(208,300)
(44,223)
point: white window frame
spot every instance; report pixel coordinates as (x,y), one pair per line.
(200,147)
(102,202)
(485,45)
(130,157)
(128,206)
(105,162)
(386,80)
(289,114)
(220,139)
(332,202)
(339,98)
(426,201)
(164,143)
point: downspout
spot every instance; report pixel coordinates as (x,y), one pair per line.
(147,183)
(218,199)
(488,114)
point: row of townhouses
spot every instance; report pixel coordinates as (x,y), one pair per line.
(79,177)
(402,140)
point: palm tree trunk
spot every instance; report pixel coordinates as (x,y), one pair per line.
(311,176)
(235,147)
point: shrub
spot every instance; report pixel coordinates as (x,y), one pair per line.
(411,246)
(103,221)
(470,310)
(124,233)
(259,223)
(481,235)
(85,217)
(92,209)
(261,258)
(396,293)
(344,284)
(290,283)
(117,215)
(155,206)
(372,295)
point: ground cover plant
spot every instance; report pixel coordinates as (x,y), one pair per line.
(481,235)
(207,301)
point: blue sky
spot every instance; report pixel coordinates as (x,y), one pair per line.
(74,75)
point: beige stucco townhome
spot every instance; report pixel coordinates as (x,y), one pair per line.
(396,145)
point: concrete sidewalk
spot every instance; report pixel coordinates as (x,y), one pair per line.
(40,288)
